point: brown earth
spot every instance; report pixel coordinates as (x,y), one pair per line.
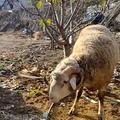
(27,99)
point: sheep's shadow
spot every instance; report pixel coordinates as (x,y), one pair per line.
(13,107)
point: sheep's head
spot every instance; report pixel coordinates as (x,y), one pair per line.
(63,82)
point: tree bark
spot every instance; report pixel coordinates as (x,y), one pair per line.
(66,50)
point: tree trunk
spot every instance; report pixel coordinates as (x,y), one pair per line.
(66,50)
(71,23)
(52,44)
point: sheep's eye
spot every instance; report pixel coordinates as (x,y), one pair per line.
(65,82)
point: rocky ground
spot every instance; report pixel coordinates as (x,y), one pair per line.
(27,98)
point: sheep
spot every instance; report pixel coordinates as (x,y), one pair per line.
(38,35)
(90,65)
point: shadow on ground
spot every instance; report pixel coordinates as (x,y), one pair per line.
(13,107)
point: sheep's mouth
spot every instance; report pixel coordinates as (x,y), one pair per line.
(65,99)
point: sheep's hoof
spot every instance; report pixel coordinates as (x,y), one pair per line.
(71,111)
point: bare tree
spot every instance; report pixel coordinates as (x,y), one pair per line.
(66,17)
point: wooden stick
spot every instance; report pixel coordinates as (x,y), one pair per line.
(89,99)
(112,99)
(28,76)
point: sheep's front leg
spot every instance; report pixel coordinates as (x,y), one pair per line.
(78,94)
(101,105)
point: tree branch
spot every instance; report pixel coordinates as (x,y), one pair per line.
(2,4)
(71,17)
(73,32)
(109,18)
(60,28)
(56,31)
(54,13)
(39,14)
(62,12)
(49,31)
(76,29)
(47,12)
(28,11)
(50,36)
(80,11)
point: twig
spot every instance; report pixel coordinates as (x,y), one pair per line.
(2,4)
(112,99)
(110,17)
(109,94)
(75,29)
(28,76)
(28,11)
(62,13)
(71,17)
(54,13)
(60,28)
(89,99)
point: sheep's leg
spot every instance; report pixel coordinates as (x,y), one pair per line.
(101,95)
(78,94)
(75,101)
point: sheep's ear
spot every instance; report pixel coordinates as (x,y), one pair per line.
(73,83)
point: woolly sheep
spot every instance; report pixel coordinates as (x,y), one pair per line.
(90,65)
(38,35)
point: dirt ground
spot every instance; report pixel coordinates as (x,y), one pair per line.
(27,98)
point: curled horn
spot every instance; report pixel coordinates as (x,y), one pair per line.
(71,69)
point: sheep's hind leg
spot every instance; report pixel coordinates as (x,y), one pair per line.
(101,95)
(78,94)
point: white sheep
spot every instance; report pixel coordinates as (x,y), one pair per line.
(90,65)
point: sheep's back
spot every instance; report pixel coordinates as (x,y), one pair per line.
(97,50)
